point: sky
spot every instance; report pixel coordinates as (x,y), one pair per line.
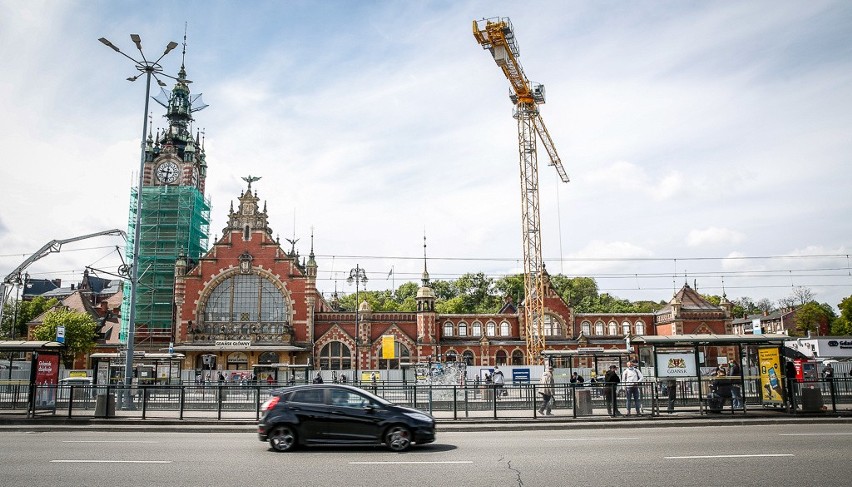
(707,143)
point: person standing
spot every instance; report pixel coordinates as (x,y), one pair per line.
(735,375)
(631,378)
(318,379)
(828,377)
(612,379)
(576,379)
(671,392)
(546,390)
(498,382)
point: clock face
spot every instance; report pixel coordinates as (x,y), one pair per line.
(167,172)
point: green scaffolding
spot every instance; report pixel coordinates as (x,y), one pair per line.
(175,220)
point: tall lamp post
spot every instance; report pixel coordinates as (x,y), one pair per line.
(357,275)
(149,69)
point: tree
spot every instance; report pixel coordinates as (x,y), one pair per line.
(27,310)
(843,324)
(799,297)
(765,305)
(809,317)
(744,306)
(79,332)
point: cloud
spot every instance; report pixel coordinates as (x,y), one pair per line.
(713,236)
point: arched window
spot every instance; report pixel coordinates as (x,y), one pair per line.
(268,358)
(491,329)
(504,329)
(248,298)
(550,326)
(400,352)
(477,329)
(640,328)
(500,358)
(462,329)
(335,356)
(599,328)
(625,328)
(448,329)
(237,361)
(613,328)
(451,356)
(467,357)
(517,357)
(585,328)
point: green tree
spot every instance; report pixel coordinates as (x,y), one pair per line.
(512,286)
(79,332)
(843,324)
(809,317)
(27,310)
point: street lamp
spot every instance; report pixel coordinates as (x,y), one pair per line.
(357,275)
(149,69)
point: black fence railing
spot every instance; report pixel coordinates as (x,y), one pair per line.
(243,401)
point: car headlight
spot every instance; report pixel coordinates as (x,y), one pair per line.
(419,417)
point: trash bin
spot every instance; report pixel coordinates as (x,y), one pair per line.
(105,406)
(811,400)
(584,402)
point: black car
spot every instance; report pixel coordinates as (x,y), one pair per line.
(325,414)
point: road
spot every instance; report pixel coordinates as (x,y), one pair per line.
(766,455)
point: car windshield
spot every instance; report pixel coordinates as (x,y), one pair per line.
(375,398)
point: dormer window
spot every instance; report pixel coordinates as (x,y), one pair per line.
(246,233)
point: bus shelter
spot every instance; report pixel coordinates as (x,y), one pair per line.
(695,359)
(148,368)
(44,372)
(282,373)
(600,358)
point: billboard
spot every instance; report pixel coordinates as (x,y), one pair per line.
(47,377)
(770,376)
(676,364)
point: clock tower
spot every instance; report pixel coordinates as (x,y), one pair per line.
(175,215)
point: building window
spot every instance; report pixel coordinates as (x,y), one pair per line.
(335,356)
(462,329)
(599,328)
(268,358)
(448,329)
(467,357)
(490,329)
(237,361)
(504,329)
(517,358)
(585,328)
(400,351)
(500,358)
(640,328)
(550,326)
(625,328)
(451,356)
(477,329)
(246,299)
(613,328)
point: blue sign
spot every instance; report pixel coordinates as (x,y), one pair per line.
(60,334)
(521,375)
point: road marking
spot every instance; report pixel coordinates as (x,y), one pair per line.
(110,461)
(591,438)
(733,456)
(814,434)
(412,463)
(107,441)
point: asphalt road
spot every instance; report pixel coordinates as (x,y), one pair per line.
(765,455)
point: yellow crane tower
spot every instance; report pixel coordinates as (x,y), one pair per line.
(496,35)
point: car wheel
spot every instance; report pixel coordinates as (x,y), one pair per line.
(282,438)
(398,438)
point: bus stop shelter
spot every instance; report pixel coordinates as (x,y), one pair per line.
(44,368)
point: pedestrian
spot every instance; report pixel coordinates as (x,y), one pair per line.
(735,375)
(828,373)
(612,379)
(373,379)
(270,380)
(671,393)
(546,390)
(721,386)
(792,384)
(576,379)
(343,378)
(318,379)
(499,382)
(631,378)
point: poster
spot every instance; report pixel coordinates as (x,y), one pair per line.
(771,391)
(47,378)
(676,364)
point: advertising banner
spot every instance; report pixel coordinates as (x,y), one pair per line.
(388,347)
(771,391)
(676,364)
(47,378)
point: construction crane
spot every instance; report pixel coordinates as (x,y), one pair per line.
(496,35)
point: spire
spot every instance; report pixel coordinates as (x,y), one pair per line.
(425,276)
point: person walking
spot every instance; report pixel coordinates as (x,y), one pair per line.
(612,379)
(498,382)
(735,375)
(631,378)
(546,390)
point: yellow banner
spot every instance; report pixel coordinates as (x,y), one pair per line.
(770,375)
(388,347)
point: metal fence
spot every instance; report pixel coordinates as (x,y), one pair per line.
(243,401)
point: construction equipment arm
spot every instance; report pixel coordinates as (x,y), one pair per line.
(555,161)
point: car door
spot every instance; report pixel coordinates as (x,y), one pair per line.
(309,407)
(353,417)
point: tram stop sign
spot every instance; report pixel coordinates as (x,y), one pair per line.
(60,334)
